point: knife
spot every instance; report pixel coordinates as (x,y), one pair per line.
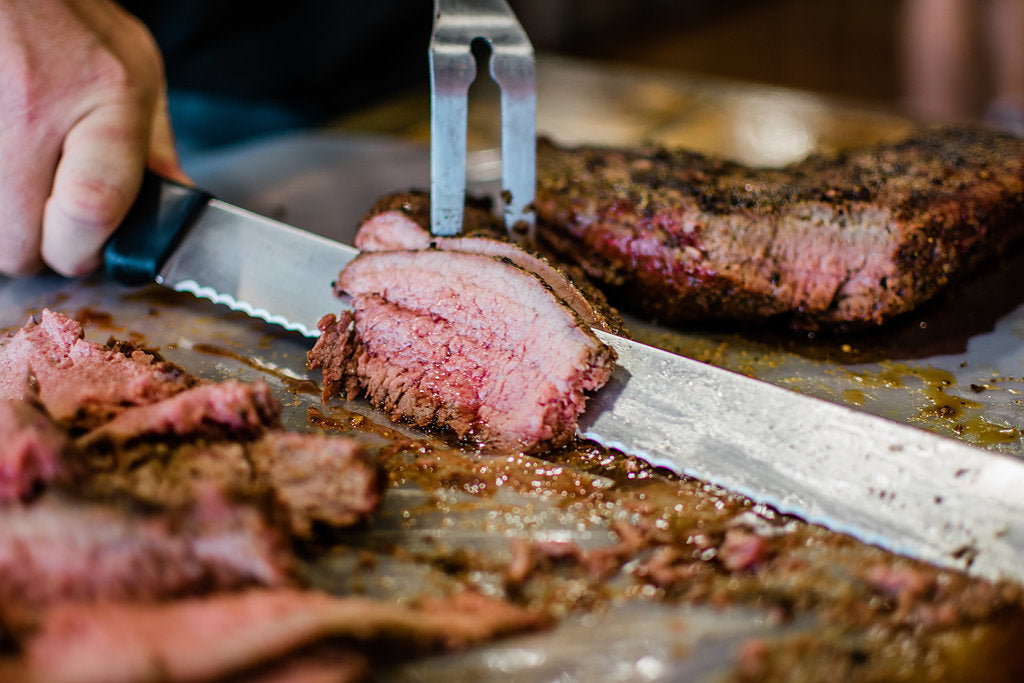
(904,489)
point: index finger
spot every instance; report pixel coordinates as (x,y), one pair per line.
(26,167)
(96,182)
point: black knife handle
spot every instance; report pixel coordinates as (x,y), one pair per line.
(159,218)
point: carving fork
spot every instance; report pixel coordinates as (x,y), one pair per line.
(457,23)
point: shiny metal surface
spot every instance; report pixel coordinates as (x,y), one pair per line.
(457,24)
(891,485)
(259,266)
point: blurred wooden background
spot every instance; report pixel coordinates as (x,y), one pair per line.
(845,47)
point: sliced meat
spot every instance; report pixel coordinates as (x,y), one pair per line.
(231,407)
(336,355)
(166,476)
(31,447)
(317,478)
(478,220)
(57,550)
(79,380)
(307,478)
(392,230)
(210,638)
(467,342)
(841,241)
(395,229)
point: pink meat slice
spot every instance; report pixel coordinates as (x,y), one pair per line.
(55,551)
(469,342)
(31,446)
(50,359)
(229,406)
(208,638)
(395,230)
(391,230)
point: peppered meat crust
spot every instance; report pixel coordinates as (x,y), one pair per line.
(849,240)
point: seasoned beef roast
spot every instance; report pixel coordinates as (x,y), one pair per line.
(465,341)
(832,241)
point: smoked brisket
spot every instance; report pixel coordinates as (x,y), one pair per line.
(58,550)
(465,341)
(119,642)
(832,241)
(80,382)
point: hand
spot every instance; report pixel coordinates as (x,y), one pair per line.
(83,107)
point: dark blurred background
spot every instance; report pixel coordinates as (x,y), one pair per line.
(939,59)
(279,67)
(840,46)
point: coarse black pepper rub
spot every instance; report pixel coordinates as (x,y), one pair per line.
(844,240)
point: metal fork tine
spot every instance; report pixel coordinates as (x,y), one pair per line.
(457,23)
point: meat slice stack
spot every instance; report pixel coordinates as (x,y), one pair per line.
(124,413)
(144,512)
(465,340)
(400,222)
(79,381)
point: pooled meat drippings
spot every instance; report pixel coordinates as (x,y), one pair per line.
(849,240)
(465,341)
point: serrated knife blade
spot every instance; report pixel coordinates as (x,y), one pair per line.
(235,257)
(184,239)
(888,484)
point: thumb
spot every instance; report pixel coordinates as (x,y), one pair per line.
(97,179)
